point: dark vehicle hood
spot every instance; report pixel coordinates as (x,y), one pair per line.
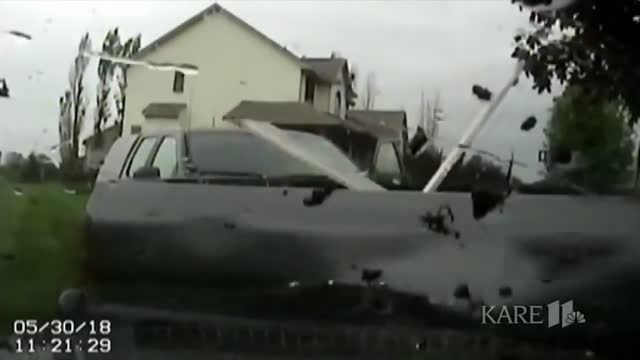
(535,250)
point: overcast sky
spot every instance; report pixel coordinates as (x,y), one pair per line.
(442,46)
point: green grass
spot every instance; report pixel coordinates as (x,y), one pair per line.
(40,248)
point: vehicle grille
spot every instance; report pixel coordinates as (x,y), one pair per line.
(341,341)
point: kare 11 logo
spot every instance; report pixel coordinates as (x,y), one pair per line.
(557,314)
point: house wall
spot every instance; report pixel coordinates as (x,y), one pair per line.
(322,96)
(234,65)
(151,125)
(335,89)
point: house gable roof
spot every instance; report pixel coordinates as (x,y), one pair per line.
(210,10)
(328,69)
(299,113)
(395,120)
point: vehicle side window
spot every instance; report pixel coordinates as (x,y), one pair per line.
(142,155)
(166,158)
(387,161)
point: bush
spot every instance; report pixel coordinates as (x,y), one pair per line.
(36,169)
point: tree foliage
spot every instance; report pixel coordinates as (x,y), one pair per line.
(597,51)
(107,72)
(73,107)
(597,132)
(37,168)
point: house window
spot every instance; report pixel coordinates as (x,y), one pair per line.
(136,129)
(309,90)
(178,82)
(338,105)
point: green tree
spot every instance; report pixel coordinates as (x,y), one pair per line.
(596,130)
(107,71)
(31,170)
(73,108)
(599,52)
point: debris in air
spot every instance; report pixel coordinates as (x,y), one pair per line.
(4,89)
(186,69)
(482,93)
(19,34)
(529,123)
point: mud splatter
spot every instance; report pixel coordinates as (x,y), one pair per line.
(481,93)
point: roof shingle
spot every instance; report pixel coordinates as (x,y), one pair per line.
(298,113)
(394,120)
(326,69)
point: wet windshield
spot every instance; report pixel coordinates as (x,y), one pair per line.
(428,162)
(324,150)
(235,151)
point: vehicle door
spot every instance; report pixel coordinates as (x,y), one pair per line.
(129,222)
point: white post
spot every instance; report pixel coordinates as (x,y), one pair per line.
(471,132)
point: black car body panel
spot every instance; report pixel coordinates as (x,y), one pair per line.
(264,252)
(173,235)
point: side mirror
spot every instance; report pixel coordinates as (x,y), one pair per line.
(147,172)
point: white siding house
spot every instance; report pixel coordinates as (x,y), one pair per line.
(235,63)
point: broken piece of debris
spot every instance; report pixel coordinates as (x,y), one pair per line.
(529,123)
(481,92)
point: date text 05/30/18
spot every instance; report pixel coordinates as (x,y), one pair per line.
(61,327)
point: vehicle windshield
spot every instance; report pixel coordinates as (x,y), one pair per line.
(236,151)
(324,150)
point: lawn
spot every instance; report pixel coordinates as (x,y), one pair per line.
(40,248)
